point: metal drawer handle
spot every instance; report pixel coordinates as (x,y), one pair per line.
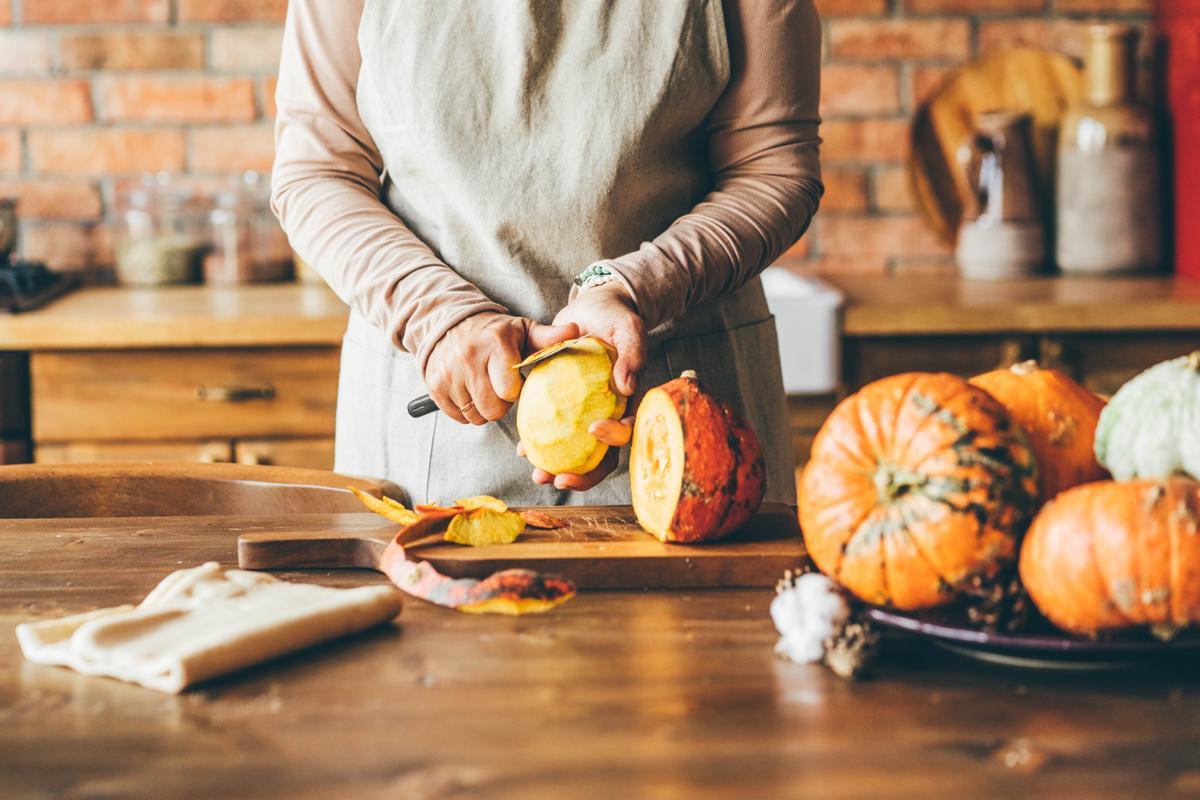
(235,394)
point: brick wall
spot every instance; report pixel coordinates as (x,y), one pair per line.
(94,92)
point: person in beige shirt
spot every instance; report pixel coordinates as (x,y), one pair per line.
(477,179)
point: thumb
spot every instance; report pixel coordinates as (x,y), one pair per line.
(540,335)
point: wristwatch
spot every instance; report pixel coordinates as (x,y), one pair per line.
(595,275)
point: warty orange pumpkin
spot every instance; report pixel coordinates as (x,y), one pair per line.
(696,469)
(1111,555)
(916,484)
(1058,415)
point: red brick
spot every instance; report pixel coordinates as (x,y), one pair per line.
(845,190)
(68,12)
(899,38)
(857,89)
(1103,5)
(892,189)
(62,245)
(865,140)
(925,81)
(268,97)
(158,50)
(41,102)
(54,199)
(232,10)
(160,99)
(90,151)
(836,8)
(1065,36)
(247,49)
(887,237)
(972,6)
(233,149)
(24,51)
(10,150)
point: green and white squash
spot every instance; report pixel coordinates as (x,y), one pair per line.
(1151,427)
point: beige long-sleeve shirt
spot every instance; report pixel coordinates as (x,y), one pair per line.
(763,155)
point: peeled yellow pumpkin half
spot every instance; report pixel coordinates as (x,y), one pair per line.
(568,388)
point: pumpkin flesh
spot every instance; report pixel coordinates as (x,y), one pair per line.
(916,484)
(560,399)
(656,462)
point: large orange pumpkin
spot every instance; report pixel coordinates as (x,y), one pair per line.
(916,484)
(696,469)
(1114,555)
(1058,415)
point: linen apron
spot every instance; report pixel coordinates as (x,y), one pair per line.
(522,140)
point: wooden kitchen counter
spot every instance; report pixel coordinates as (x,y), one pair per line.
(295,315)
(673,695)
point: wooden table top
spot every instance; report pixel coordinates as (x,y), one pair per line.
(665,695)
(300,315)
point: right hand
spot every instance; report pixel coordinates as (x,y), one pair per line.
(470,372)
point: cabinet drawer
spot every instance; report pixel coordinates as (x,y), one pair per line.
(189,394)
(212,452)
(309,453)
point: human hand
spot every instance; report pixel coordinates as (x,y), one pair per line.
(470,372)
(608,313)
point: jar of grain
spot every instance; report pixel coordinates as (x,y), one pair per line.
(248,244)
(161,234)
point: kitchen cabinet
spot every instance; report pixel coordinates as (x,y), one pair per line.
(313,453)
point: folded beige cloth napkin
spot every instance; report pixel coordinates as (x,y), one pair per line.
(203,622)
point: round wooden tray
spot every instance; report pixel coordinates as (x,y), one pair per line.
(1040,82)
(1043,649)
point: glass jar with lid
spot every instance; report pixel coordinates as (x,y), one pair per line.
(161,235)
(248,244)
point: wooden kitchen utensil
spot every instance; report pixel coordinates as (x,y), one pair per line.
(1031,80)
(602,547)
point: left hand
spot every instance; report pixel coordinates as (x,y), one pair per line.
(608,313)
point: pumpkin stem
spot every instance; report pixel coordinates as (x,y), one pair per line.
(892,482)
(690,374)
(1193,360)
(1027,367)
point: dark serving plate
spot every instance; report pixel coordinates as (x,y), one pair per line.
(1042,648)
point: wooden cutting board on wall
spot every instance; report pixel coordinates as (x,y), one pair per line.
(602,547)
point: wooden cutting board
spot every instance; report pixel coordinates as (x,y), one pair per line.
(601,548)
(1040,82)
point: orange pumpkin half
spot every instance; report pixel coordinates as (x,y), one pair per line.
(696,469)
(1113,555)
(916,484)
(1058,415)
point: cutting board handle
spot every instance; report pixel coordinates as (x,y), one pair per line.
(308,550)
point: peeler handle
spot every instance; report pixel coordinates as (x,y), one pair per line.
(420,406)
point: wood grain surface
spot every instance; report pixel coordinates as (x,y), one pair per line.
(149,395)
(602,547)
(613,695)
(163,490)
(875,305)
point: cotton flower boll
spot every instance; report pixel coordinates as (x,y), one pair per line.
(806,612)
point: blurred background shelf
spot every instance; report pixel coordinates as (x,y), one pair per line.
(249,374)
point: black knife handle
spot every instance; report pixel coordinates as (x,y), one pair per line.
(420,406)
